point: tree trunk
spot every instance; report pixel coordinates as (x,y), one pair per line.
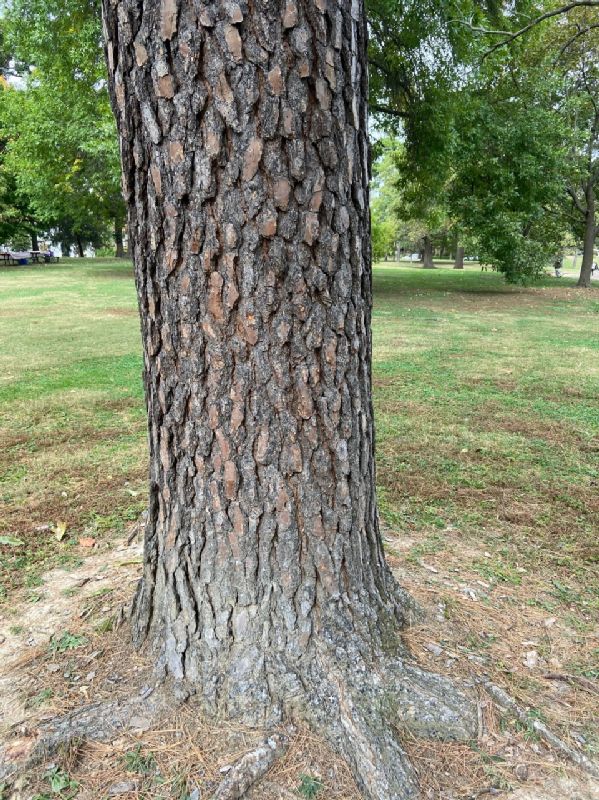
(427,253)
(118,239)
(245,162)
(454,244)
(34,241)
(444,251)
(459,258)
(590,234)
(80,248)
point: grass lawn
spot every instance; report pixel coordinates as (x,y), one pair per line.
(487,402)
(72,422)
(487,407)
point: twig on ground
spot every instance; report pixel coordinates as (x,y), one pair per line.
(576,680)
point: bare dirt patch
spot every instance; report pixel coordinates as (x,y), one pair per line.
(37,654)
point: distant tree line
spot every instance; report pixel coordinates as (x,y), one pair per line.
(59,158)
(485,121)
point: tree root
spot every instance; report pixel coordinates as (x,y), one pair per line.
(575,680)
(360,710)
(379,764)
(431,706)
(252,766)
(505,702)
(96,722)
(364,713)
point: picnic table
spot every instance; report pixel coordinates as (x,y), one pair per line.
(35,256)
(14,258)
(41,257)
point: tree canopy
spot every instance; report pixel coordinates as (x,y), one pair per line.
(495,107)
(498,122)
(61,147)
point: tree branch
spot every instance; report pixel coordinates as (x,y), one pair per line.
(547,15)
(377,108)
(572,39)
(477,29)
(577,204)
(381,67)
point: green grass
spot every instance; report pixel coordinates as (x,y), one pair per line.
(72,421)
(486,398)
(487,406)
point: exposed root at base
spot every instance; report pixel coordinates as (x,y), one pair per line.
(360,711)
(379,764)
(252,766)
(371,709)
(95,722)
(505,702)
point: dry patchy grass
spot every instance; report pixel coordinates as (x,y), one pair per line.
(488,423)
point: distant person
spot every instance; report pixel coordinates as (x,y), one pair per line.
(557,265)
(594,268)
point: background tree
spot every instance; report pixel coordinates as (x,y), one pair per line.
(506,193)
(17,220)
(422,187)
(385,227)
(509,160)
(416,66)
(63,147)
(18,225)
(560,46)
(69,171)
(578,59)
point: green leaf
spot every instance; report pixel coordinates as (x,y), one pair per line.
(12,541)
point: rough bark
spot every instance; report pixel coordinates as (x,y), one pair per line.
(34,241)
(590,234)
(459,258)
(119,251)
(454,244)
(427,253)
(444,247)
(245,170)
(80,249)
